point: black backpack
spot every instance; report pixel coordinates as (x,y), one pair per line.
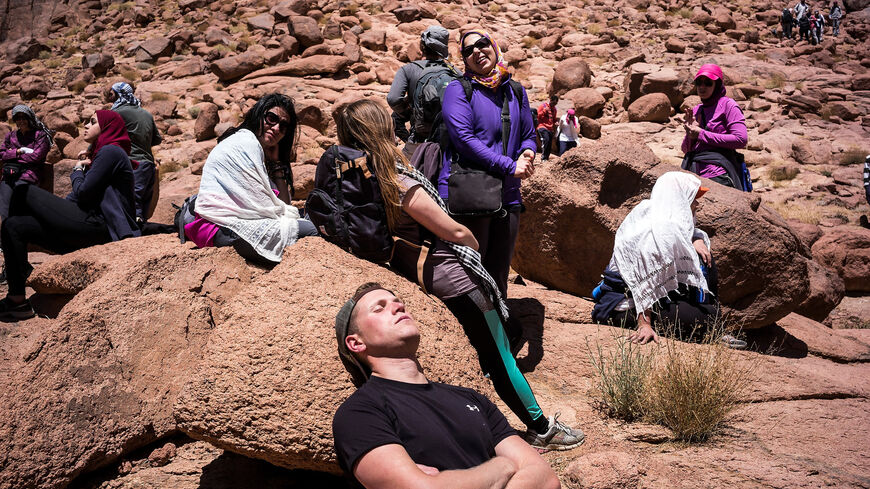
(346,204)
(428,93)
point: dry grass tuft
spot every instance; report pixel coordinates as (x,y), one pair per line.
(692,390)
(157,96)
(782,173)
(809,213)
(594,29)
(776,80)
(853,156)
(168,166)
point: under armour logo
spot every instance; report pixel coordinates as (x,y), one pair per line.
(472,408)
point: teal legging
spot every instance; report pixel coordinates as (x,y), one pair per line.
(487,335)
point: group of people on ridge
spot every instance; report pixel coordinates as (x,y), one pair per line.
(662,268)
(811,24)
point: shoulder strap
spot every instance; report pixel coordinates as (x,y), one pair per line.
(466,87)
(505,123)
(702,117)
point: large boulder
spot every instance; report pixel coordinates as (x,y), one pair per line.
(570,74)
(846,249)
(24,50)
(103,379)
(826,291)
(644,79)
(654,107)
(233,67)
(576,204)
(587,102)
(305,30)
(318,64)
(206,120)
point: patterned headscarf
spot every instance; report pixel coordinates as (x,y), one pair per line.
(499,72)
(35,123)
(125,95)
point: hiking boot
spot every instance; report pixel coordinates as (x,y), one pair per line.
(557,437)
(9,311)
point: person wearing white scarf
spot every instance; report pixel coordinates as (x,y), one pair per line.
(658,247)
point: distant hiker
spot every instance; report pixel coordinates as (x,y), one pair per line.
(801,9)
(804,27)
(863,219)
(715,129)
(491,133)
(547,119)
(786,20)
(399,429)
(433,45)
(568,132)
(22,152)
(440,255)
(835,15)
(662,270)
(99,209)
(819,26)
(244,195)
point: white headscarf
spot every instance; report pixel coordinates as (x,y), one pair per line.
(235,193)
(653,249)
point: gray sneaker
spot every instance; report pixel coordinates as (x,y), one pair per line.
(557,437)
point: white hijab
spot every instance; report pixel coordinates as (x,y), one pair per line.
(653,249)
(235,193)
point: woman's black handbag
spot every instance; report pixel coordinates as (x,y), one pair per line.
(11,171)
(471,190)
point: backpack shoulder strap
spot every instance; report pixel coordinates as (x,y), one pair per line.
(466,87)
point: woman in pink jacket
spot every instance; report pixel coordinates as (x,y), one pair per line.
(715,130)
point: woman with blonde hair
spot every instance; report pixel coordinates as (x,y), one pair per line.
(452,270)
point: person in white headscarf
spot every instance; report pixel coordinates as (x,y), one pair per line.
(662,268)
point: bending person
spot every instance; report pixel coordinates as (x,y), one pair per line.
(100,209)
(401,430)
(715,130)
(22,151)
(451,268)
(244,194)
(661,271)
(476,130)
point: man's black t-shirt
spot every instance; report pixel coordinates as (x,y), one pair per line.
(439,425)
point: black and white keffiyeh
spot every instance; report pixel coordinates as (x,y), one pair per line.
(125,95)
(468,257)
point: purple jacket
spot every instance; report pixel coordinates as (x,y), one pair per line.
(475,133)
(726,126)
(36,141)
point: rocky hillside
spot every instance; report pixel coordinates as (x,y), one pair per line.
(174,367)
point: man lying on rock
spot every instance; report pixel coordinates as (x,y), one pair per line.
(401,430)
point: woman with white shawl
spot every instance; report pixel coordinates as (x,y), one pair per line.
(244,194)
(662,268)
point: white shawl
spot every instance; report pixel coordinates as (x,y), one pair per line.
(235,193)
(653,249)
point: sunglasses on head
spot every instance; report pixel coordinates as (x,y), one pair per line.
(272,118)
(706,82)
(480,44)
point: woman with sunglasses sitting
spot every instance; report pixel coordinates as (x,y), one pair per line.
(715,130)
(474,124)
(244,195)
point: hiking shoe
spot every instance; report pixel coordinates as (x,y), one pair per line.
(10,311)
(557,437)
(733,342)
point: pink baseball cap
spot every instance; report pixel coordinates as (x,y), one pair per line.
(711,71)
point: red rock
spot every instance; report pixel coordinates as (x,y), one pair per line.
(289,8)
(846,249)
(366,77)
(861,82)
(587,101)
(157,46)
(408,13)
(655,107)
(312,65)
(604,470)
(206,121)
(215,36)
(376,40)
(305,30)
(263,22)
(571,73)
(807,233)
(589,128)
(33,86)
(59,122)
(162,455)
(98,63)
(826,292)
(675,45)
(24,50)
(824,341)
(234,67)
(193,66)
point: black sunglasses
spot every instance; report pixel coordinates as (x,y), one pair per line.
(705,82)
(480,44)
(272,118)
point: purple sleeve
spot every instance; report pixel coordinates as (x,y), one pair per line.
(527,128)
(459,119)
(8,150)
(40,150)
(735,137)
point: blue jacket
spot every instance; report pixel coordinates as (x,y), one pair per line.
(106,190)
(475,133)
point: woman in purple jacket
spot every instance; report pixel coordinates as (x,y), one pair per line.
(715,130)
(474,126)
(22,152)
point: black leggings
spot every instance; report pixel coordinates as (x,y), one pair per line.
(226,237)
(42,218)
(488,337)
(690,320)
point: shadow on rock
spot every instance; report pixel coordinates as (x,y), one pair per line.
(231,470)
(527,315)
(776,341)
